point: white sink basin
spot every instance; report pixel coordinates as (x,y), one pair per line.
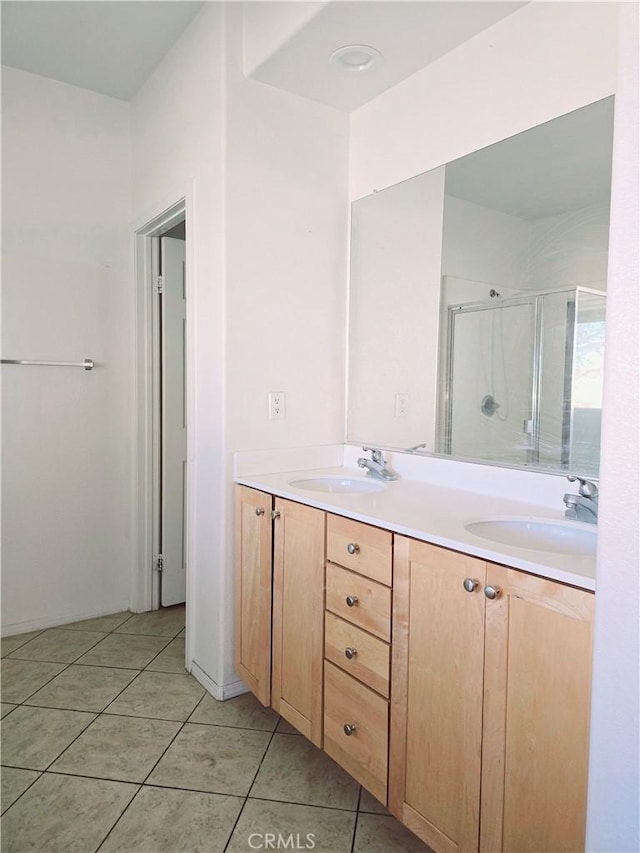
(338,485)
(538,534)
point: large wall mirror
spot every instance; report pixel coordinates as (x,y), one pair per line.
(477,302)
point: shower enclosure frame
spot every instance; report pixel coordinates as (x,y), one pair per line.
(531,425)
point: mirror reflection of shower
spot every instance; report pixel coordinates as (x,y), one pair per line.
(489,405)
(523,378)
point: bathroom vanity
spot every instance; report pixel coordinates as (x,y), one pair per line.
(448,674)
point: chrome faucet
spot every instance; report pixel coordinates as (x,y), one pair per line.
(376,466)
(584,505)
(415,447)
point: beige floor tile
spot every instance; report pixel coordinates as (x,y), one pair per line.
(83,688)
(161,695)
(368,803)
(64,813)
(285,728)
(14,783)
(123,650)
(171,659)
(6,708)
(10,644)
(297,826)
(106,623)
(243,712)
(58,645)
(122,748)
(34,737)
(212,758)
(164,820)
(377,833)
(296,771)
(166,622)
(21,678)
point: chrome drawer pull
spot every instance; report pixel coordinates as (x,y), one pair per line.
(259,510)
(470,584)
(349,729)
(350,652)
(353,548)
(351,600)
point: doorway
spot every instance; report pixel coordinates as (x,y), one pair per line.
(171,426)
(162,411)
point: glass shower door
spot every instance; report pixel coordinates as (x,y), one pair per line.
(491,380)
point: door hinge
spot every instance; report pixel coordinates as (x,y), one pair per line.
(158,563)
(158,283)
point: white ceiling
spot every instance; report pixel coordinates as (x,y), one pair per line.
(105,46)
(562,165)
(111,46)
(410,35)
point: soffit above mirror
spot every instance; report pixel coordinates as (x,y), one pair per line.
(288,45)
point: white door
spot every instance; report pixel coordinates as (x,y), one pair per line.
(173,485)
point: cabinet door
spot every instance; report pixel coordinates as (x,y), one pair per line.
(536,714)
(253,591)
(436,694)
(298,616)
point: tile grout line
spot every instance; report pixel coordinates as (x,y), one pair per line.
(253,781)
(97,715)
(74,662)
(355,824)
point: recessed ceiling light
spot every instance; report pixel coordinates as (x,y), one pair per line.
(356,57)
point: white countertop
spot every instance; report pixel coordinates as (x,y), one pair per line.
(436,514)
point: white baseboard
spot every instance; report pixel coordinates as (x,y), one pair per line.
(218,691)
(44,622)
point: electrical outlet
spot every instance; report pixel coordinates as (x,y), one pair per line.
(402,405)
(276,405)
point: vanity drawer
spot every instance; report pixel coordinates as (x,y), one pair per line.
(364,752)
(360,547)
(359,600)
(358,653)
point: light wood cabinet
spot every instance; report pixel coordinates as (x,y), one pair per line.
(490,704)
(467,712)
(298,616)
(356,721)
(252,653)
(280,552)
(357,650)
(536,714)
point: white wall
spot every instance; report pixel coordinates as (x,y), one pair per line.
(269,176)
(396,246)
(178,138)
(484,245)
(570,249)
(614,778)
(543,61)
(540,62)
(67,541)
(286,271)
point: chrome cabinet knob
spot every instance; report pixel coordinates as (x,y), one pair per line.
(470,584)
(349,729)
(275,514)
(351,600)
(353,548)
(350,652)
(492,592)
(259,510)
